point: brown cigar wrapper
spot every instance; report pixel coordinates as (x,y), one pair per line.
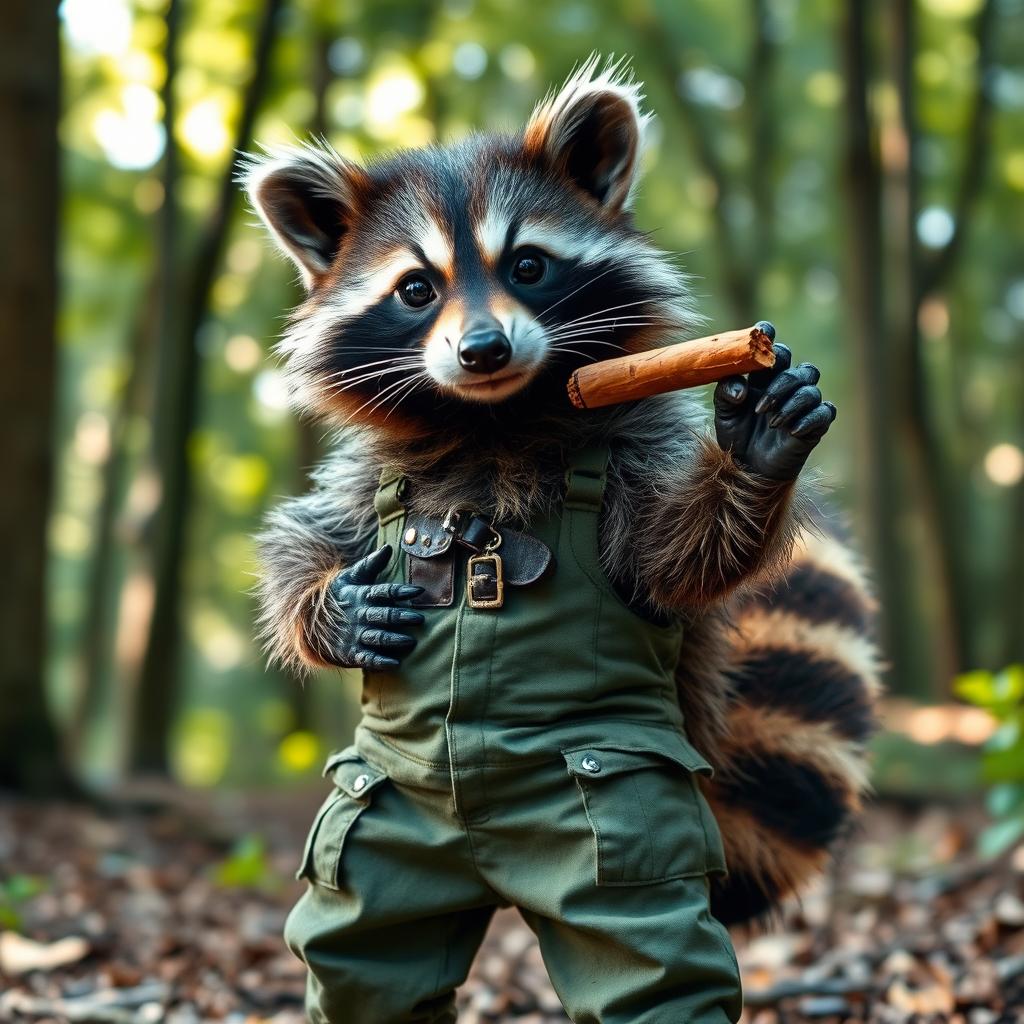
(686,365)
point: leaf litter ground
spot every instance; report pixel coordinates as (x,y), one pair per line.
(174,914)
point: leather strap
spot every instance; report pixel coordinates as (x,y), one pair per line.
(525,559)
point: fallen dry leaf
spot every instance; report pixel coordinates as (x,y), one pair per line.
(168,942)
(19,955)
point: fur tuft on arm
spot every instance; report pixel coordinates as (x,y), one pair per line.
(306,542)
(712,525)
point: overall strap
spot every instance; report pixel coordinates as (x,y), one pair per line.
(585,479)
(580,528)
(387,502)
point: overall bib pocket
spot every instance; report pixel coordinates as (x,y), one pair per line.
(649,818)
(354,783)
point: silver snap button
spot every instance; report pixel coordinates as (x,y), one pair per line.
(360,783)
(590,764)
(410,535)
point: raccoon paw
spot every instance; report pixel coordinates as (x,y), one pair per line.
(773,419)
(368,616)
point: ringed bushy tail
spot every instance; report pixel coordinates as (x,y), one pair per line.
(803,672)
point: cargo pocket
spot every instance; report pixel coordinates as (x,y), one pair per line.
(354,783)
(650,820)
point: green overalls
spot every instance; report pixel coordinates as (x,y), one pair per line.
(531,755)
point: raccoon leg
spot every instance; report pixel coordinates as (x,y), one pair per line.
(803,680)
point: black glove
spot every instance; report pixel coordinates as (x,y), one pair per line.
(364,635)
(772,420)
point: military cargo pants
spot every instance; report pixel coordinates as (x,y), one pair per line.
(605,851)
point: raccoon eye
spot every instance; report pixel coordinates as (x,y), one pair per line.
(528,267)
(416,291)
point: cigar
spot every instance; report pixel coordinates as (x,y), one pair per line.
(686,365)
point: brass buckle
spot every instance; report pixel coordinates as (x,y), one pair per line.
(493,559)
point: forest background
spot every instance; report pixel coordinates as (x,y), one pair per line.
(852,171)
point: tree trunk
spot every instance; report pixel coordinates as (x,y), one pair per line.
(866,323)
(925,461)
(29,202)
(93,669)
(735,264)
(179,386)
(152,328)
(762,145)
(1010,593)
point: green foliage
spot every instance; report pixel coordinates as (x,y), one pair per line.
(247,866)
(1002,695)
(907,769)
(14,893)
(375,75)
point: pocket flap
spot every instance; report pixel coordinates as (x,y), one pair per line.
(353,775)
(609,758)
(643,801)
(354,780)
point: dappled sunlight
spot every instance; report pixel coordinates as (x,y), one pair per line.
(97,26)
(852,172)
(761,232)
(203,130)
(203,746)
(1004,464)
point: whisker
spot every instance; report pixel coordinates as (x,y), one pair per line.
(614,325)
(585,355)
(342,386)
(373,400)
(350,387)
(376,348)
(388,393)
(414,383)
(585,284)
(601,328)
(586,341)
(364,366)
(589,356)
(598,312)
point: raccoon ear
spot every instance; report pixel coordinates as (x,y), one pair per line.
(592,131)
(305,197)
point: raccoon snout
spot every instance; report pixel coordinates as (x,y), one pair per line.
(484,350)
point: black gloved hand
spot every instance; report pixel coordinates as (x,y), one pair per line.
(364,633)
(772,420)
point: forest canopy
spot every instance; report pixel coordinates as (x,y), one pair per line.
(854,173)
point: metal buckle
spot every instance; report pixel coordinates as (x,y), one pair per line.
(490,558)
(451,521)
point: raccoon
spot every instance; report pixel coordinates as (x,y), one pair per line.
(450,292)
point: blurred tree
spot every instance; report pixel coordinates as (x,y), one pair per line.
(890,279)
(796,153)
(925,275)
(178,394)
(865,326)
(738,255)
(147,333)
(29,105)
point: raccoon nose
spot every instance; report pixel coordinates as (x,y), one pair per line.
(485,350)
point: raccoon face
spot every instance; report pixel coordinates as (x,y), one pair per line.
(481,272)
